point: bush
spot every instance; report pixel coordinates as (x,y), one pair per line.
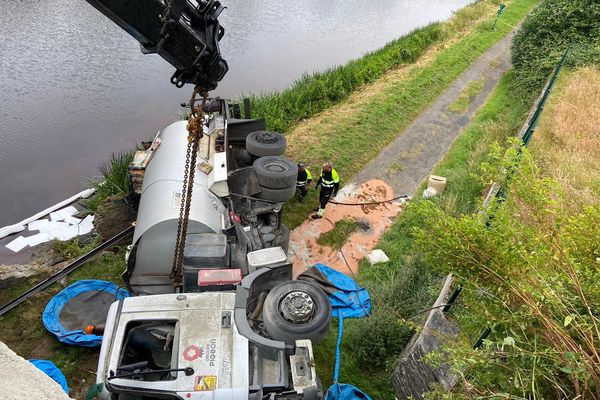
(376,341)
(546,33)
(532,276)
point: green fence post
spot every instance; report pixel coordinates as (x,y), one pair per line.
(498,13)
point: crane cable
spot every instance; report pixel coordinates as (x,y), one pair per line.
(195,131)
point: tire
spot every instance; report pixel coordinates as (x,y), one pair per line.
(265,143)
(277,195)
(280,328)
(276,172)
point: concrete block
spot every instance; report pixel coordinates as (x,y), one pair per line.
(20,379)
(377,256)
(437,182)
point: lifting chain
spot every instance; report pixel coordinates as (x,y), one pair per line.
(195,130)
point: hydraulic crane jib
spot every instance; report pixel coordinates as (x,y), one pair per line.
(185,35)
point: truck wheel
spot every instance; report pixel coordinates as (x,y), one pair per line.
(276,172)
(297,310)
(265,143)
(277,195)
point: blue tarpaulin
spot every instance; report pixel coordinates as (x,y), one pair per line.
(344,293)
(83,303)
(348,300)
(52,371)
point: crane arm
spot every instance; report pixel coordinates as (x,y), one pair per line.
(184,34)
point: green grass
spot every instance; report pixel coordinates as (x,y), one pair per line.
(336,237)
(502,116)
(352,142)
(462,103)
(406,285)
(73,248)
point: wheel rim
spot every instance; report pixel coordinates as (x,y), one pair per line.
(297,307)
(275,167)
(266,137)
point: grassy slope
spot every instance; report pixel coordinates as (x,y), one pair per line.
(406,285)
(22,329)
(566,143)
(566,148)
(341,139)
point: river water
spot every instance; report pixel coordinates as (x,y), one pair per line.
(74,87)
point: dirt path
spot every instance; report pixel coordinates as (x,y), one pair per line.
(410,158)
(400,167)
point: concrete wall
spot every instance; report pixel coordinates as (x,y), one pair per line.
(412,377)
(19,379)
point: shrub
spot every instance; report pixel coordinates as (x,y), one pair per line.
(546,33)
(532,276)
(375,341)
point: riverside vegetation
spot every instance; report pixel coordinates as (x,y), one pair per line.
(532,276)
(412,72)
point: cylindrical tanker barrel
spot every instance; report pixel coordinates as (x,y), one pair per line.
(158,214)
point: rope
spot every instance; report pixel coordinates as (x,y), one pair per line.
(404,196)
(502,22)
(338,347)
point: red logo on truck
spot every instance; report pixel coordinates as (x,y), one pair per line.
(192,352)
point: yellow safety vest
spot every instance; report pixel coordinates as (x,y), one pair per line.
(327,183)
(308,178)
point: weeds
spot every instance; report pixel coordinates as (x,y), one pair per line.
(73,248)
(376,341)
(462,103)
(336,237)
(113,180)
(537,265)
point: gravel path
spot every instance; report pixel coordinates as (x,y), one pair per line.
(409,159)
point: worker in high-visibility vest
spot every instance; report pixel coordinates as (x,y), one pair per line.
(303,181)
(330,184)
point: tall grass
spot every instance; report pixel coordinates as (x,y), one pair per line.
(314,93)
(113,179)
(532,278)
(567,141)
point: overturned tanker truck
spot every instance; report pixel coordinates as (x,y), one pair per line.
(239,327)
(225,320)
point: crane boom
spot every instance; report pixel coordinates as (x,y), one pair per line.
(184,34)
